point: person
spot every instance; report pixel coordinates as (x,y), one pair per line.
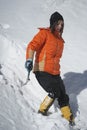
(47,47)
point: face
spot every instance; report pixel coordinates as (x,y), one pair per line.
(59,26)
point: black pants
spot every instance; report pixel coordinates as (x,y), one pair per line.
(53,84)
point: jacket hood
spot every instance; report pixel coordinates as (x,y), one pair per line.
(55,33)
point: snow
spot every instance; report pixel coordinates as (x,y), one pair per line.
(19,103)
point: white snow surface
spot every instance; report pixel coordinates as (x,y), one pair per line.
(19,103)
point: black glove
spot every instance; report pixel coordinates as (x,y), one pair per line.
(29,65)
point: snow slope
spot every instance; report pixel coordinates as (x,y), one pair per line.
(19,103)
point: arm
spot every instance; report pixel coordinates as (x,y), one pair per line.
(33,46)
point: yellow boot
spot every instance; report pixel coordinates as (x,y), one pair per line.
(45,105)
(67,113)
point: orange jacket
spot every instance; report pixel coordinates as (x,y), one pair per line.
(48,48)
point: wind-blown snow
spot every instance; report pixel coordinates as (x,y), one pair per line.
(19,103)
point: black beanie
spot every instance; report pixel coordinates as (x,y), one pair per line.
(55,17)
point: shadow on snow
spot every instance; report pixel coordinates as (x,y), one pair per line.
(74,84)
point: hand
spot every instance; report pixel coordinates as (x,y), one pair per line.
(29,65)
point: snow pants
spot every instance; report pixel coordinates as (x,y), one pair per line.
(53,84)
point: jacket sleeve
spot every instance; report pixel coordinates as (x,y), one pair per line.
(36,43)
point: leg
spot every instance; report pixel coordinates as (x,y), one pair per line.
(63,101)
(45,105)
(44,80)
